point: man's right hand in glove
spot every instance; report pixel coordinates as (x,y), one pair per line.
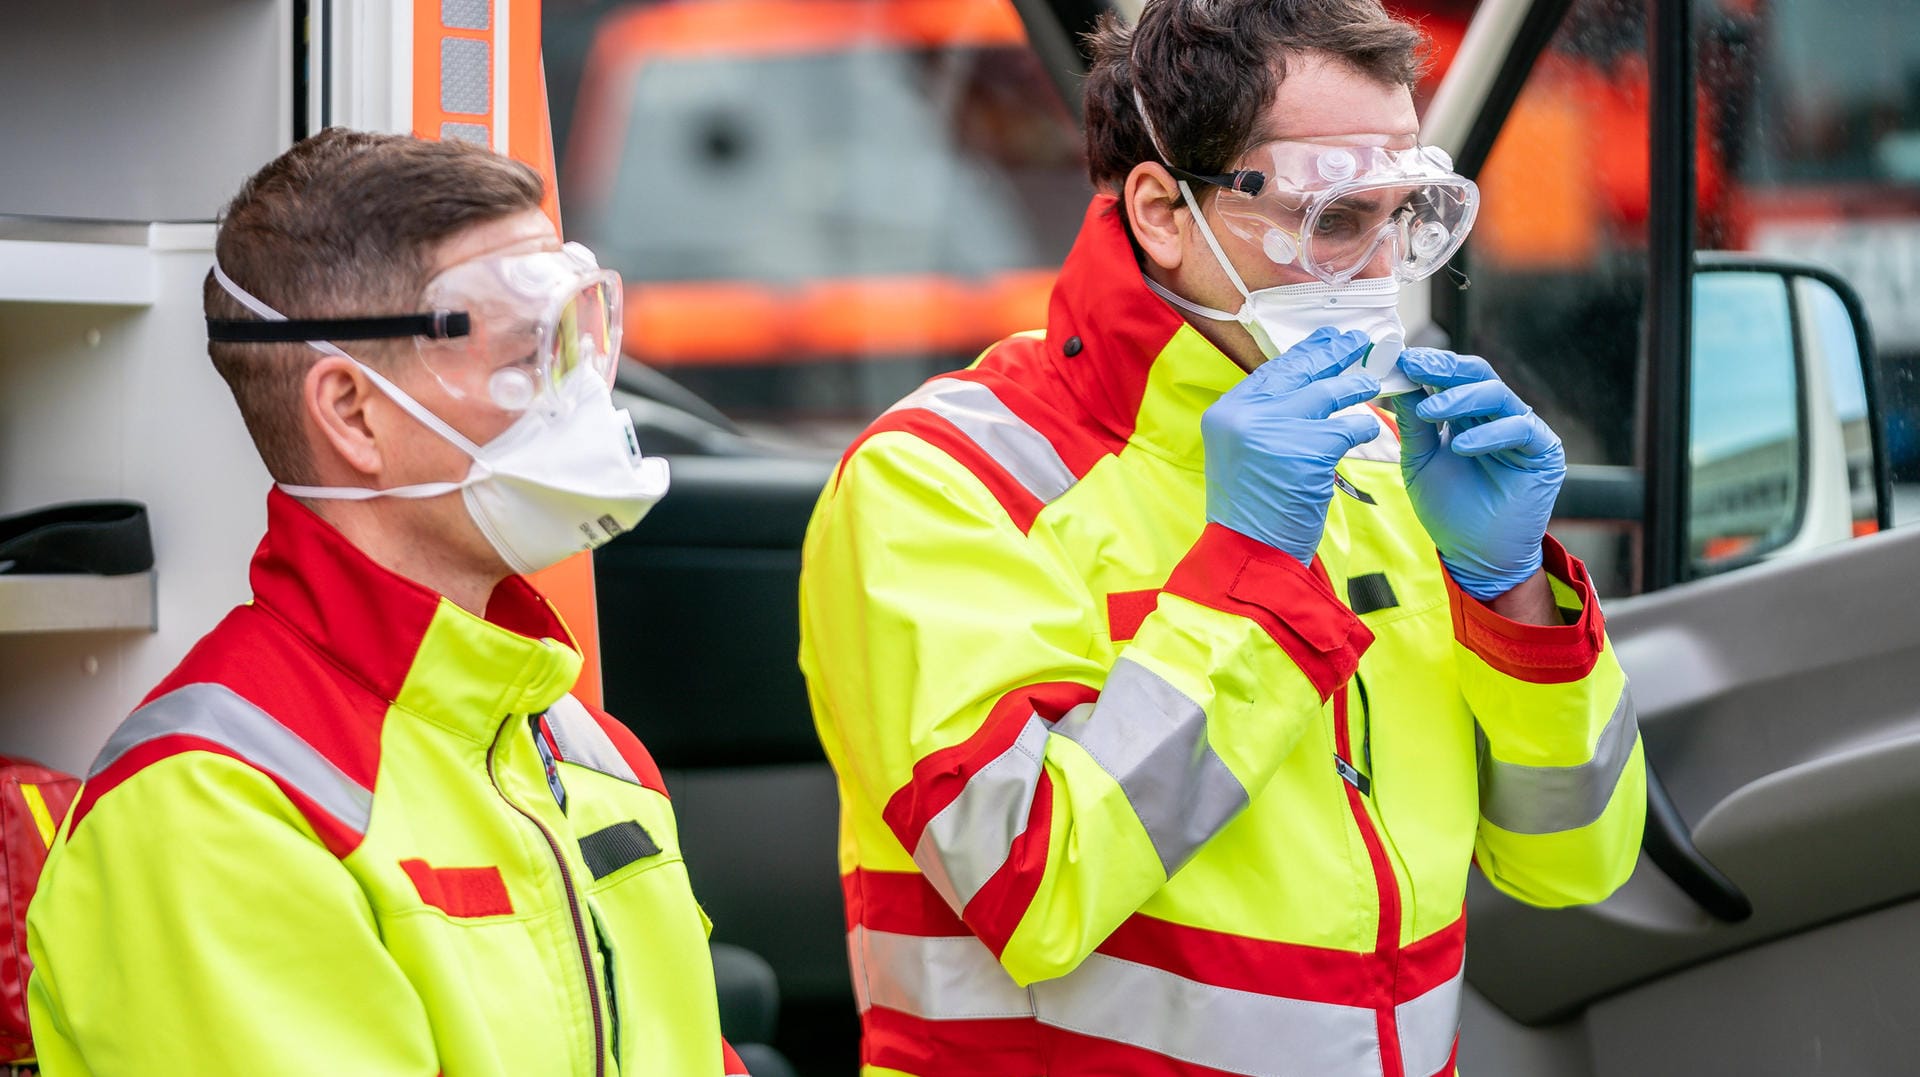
(1272,441)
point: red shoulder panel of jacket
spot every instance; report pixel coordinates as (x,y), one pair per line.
(1105,328)
(1020,504)
(256,691)
(366,618)
(1047,409)
(630,748)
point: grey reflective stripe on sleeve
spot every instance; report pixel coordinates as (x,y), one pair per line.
(1546,800)
(1428,1027)
(970,838)
(1152,740)
(955,978)
(216,713)
(1023,451)
(583,743)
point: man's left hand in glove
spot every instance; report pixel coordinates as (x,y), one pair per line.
(1481,468)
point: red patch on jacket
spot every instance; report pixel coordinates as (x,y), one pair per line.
(461,892)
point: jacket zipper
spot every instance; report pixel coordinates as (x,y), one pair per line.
(573,906)
(1387,937)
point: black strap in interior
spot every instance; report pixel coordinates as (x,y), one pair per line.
(106,538)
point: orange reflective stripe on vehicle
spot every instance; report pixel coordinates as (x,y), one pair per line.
(453,70)
(747,27)
(735,322)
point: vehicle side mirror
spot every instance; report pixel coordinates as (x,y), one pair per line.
(1783,433)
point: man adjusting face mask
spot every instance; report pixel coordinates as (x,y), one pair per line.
(536,336)
(1362,219)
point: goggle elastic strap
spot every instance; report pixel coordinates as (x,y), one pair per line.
(248,301)
(1186,192)
(394,392)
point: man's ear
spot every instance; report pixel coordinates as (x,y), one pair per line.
(336,396)
(1158,214)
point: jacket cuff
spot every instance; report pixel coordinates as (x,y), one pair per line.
(1294,604)
(1538,654)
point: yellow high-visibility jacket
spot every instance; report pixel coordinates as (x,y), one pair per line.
(362,831)
(1125,792)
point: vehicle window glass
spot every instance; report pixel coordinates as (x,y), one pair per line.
(1554,274)
(815,204)
(1810,150)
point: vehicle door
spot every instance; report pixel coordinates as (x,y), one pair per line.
(1738,478)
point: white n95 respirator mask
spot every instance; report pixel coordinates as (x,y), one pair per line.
(1279,318)
(567,475)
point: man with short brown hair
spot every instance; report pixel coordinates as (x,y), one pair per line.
(363,828)
(1170,690)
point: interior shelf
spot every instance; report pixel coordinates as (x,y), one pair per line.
(76,603)
(58,261)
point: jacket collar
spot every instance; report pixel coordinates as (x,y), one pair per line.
(405,642)
(1140,370)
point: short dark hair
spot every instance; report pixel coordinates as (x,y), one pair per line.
(342,225)
(1209,68)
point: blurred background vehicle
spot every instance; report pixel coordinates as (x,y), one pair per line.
(816,204)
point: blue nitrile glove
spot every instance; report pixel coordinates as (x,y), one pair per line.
(1482,469)
(1273,439)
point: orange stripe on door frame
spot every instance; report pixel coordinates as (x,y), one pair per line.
(455,60)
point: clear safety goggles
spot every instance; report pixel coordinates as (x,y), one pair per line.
(510,329)
(1334,210)
(535,321)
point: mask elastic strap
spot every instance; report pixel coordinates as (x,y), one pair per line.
(1167,294)
(399,396)
(1186,192)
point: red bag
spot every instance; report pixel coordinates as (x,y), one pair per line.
(33,802)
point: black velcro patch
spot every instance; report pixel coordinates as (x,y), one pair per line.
(607,851)
(1371,592)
